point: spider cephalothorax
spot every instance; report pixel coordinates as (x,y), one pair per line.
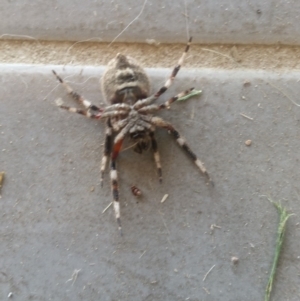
(126,86)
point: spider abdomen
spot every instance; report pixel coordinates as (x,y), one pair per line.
(124,81)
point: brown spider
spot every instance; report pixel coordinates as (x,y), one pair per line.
(126,86)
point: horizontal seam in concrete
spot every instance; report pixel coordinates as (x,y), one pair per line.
(275,57)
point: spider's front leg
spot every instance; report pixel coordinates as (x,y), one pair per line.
(147,101)
(166,105)
(159,122)
(77,97)
(86,113)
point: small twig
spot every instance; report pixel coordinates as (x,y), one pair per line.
(142,254)
(213,226)
(2,173)
(74,276)
(250,118)
(164,198)
(131,146)
(208,272)
(206,290)
(106,207)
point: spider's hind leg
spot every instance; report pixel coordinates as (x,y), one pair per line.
(167,104)
(147,101)
(159,122)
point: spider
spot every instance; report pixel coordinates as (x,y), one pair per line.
(126,86)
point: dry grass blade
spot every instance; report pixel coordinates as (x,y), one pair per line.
(1,180)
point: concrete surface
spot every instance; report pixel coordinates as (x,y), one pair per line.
(52,222)
(227,21)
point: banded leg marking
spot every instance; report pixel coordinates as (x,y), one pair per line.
(107,148)
(118,106)
(165,105)
(175,70)
(114,182)
(159,122)
(168,83)
(83,112)
(156,155)
(87,104)
(168,103)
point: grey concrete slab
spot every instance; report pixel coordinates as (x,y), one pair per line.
(51,205)
(226,21)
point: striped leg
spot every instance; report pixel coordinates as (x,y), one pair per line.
(114,181)
(88,105)
(159,122)
(107,148)
(168,83)
(156,155)
(118,106)
(87,113)
(166,105)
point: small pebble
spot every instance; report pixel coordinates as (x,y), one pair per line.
(234,260)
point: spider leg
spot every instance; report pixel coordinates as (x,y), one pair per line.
(156,155)
(124,131)
(187,93)
(87,113)
(113,171)
(159,122)
(114,181)
(107,148)
(118,106)
(88,105)
(90,114)
(120,113)
(119,125)
(147,101)
(166,105)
